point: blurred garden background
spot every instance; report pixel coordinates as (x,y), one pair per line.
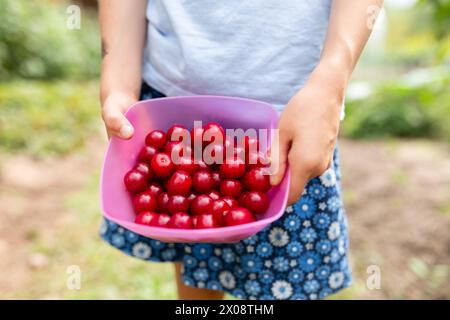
(395,155)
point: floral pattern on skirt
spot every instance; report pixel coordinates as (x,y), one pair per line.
(303,255)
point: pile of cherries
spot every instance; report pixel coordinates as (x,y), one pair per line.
(172,187)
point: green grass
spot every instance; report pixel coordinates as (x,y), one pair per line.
(47,118)
(106,273)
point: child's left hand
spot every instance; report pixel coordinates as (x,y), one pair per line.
(308,129)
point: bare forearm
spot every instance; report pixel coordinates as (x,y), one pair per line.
(123,27)
(350,25)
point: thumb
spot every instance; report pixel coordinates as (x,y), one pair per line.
(115,121)
(278,156)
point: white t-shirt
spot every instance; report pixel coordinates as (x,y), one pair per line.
(260,49)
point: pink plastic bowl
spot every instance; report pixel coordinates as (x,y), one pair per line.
(162,114)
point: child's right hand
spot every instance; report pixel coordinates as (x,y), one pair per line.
(113,108)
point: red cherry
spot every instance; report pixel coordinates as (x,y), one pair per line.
(177,133)
(216,177)
(219,208)
(162,165)
(255,201)
(237,216)
(180,220)
(155,189)
(228,146)
(213,131)
(233,203)
(179,183)
(197,137)
(145,169)
(239,153)
(163,201)
(186,164)
(257,180)
(201,204)
(191,196)
(135,181)
(231,188)
(214,195)
(163,220)
(250,144)
(256,159)
(146,154)
(206,221)
(202,181)
(232,168)
(144,201)
(214,154)
(156,139)
(147,218)
(203,166)
(194,220)
(178,203)
(177,150)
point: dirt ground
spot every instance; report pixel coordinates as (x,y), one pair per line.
(397,196)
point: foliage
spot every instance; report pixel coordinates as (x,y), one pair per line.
(439,16)
(45,118)
(36,43)
(401,109)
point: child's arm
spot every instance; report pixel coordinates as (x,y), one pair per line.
(309,124)
(123,27)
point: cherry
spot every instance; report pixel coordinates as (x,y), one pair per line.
(214,195)
(176,150)
(239,153)
(250,144)
(177,133)
(231,188)
(180,220)
(201,204)
(257,180)
(163,220)
(191,196)
(155,189)
(216,177)
(144,201)
(135,181)
(163,201)
(219,208)
(203,166)
(255,160)
(145,169)
(206,221)
(255,201)
(197,137)
(233,203)
(177,203)
(194,220)
(148,218)
(214,154)
(146,154)
(179,183)
(186,164)
(232,168)
(162,165)
(237,216)
(214,131)
(156,139)
(202,181)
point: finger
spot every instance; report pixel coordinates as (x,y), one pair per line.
(278,156)
(116,123)
(299,177)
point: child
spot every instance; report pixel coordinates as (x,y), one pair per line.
(296,55)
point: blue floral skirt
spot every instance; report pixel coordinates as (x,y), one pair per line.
(303,255)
